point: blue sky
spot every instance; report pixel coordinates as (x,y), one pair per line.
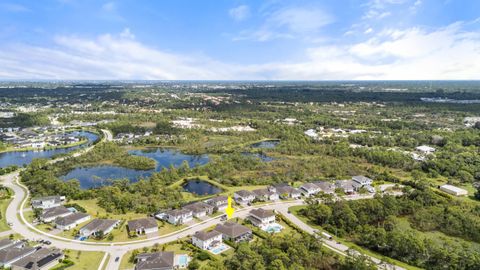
(220,39)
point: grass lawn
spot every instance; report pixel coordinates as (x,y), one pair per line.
(85,260)
(97,212)
(3,209)
(295,210)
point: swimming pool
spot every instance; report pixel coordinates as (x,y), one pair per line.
(182,261)
(219,249)
(273,228)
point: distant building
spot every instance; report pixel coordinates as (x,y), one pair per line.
(47,202)
(179,216)
(244,196)
(99,226)
(264,194)
(325,187)
(347,186)
(143,226)
(71,221)
(200,209)
(50,214)
(155,261)
(12,254)
(234,232)
(6,243)
(43,258)
(285,191)
(219,203)
(425,149)
(309,189)
(453,190)
(207,240)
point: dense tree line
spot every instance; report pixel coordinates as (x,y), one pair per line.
(374,224)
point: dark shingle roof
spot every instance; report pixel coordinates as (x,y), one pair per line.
(155,261)
(232,229)
(70,219)
(203,235)
(262,213)
(143,223)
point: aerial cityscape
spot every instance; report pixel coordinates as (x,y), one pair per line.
(250,135)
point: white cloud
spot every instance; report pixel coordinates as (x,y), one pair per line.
(290,22)
(451,52)
(239,13)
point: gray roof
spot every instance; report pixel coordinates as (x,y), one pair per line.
(203,235)
(262,213)
(54,212)
(11,253)
(40,200)
(70,219)
(309,186)
(217,199)
(39,259)
(142,223)
(288,190)
(361,178)
(232,229)
(324,185)
(6,243)
(245,193)
(179,212)
(155,261)
(198,207)
(99,225)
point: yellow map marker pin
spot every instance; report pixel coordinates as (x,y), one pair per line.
(230,210)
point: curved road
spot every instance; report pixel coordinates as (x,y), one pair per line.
(15,215)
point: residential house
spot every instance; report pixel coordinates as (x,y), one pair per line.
(348,186)
(234,232)
(142,226)
(179,216)
(361,181)
(50,214)
(12,254)
(325,187)
(425,149)
(219,203)
(264,194)
(261,217)
(207,240)
(286,192)
(47,202)
(200,209)
(164,260)
(71,221)
(309,189)
(98,227)
(244,196)
(6,243)
(43,258)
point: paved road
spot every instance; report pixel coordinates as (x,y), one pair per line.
(15,215)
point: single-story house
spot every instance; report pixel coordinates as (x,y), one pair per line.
(43,258)
(261,217)
(207,240)
(143,225)
(200,209)
(453,190)
(179,216)
(47,202)
(219,203)
(244,196)
(99,226)
(12,254)
(264,194)
(71,221)
(50,214)
(155,261)
(309,189)
(234,232)
(6,243)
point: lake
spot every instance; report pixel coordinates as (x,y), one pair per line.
(96,176)
(200,187)
(266,144)
(21,158)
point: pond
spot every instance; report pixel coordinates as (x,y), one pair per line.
(200,187)
(21,158)
(96,176)
(266,144)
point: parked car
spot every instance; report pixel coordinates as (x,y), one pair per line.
(117,259)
